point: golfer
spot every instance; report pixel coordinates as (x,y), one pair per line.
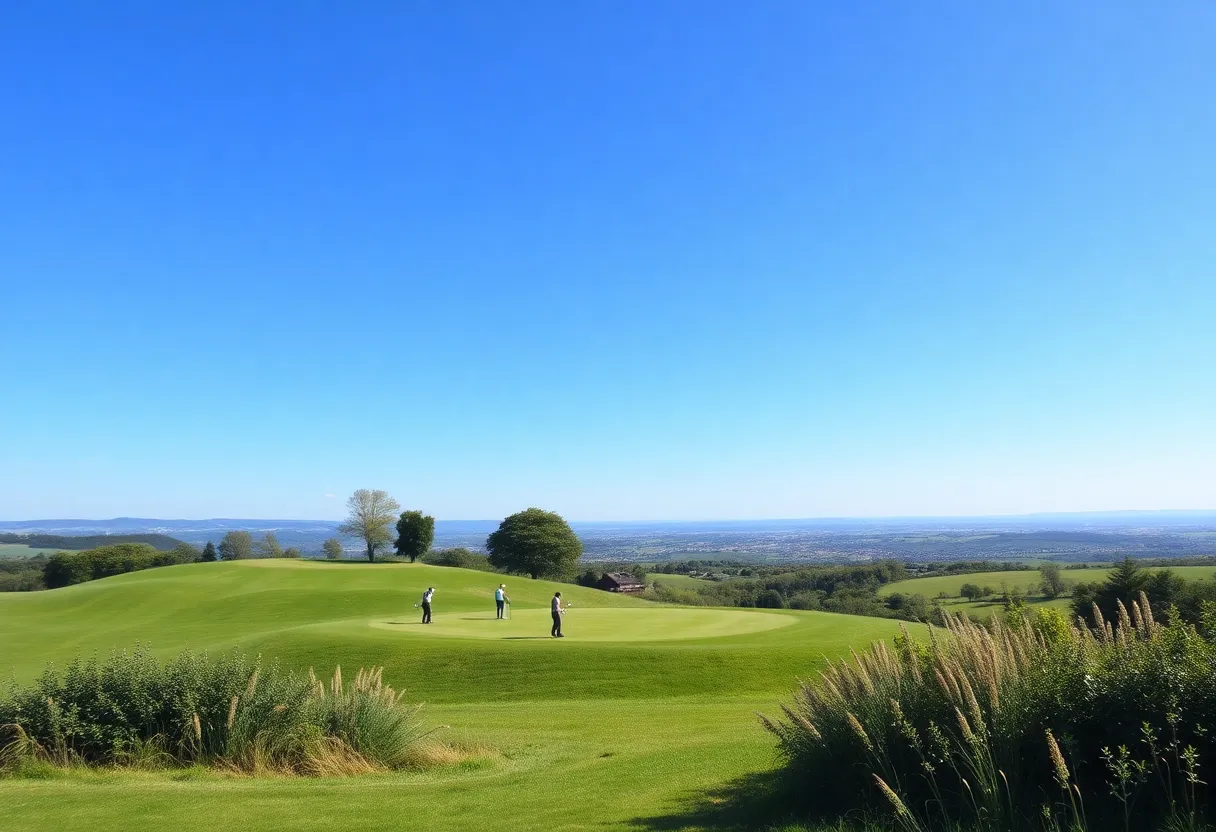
(426,604)
(558,612)
(501,599)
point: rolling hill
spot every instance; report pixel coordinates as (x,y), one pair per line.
(645,707)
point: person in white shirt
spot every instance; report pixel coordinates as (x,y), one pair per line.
(558,612)
(426,604)
(501,600)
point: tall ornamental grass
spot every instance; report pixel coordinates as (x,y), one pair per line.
(1029,723)
(224,711)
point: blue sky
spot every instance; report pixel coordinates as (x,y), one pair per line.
(622,260)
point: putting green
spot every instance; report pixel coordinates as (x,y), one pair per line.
(593,624)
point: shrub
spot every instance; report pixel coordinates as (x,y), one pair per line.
(225,711)
(1043,724)
(67,568)
(459,557)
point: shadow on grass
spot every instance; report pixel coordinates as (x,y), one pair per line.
(756,801)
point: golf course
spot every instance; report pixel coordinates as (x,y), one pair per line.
(637,719)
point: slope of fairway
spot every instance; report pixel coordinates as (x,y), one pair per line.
(643,706)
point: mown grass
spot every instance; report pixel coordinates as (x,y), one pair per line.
(585,734)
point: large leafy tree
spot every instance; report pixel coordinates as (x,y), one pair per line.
(415,534)
(209,552)
(236,546)
(370,514)
(537,543)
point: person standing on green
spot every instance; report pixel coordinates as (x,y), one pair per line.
(426,604)
(558,612)
(501,600)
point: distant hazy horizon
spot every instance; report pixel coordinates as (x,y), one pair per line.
(1118,514)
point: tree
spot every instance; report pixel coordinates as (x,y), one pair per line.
(415,534)
(1053,582)
(332,549)
(185,553)
(371,513)
(236,546)
(770,599)
(269,546)
(971,592)
(291,552)
(536,542)
(209,552)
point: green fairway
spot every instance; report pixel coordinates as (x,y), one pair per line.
(597,624)
(642,707)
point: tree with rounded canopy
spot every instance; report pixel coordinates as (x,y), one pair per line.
(269,546)
(236,546)
(971,592)
(371,513)
(415,534)
(535,542)
(332,549)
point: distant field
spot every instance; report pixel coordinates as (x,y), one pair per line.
(20,550)
(1022,580)
(676,581)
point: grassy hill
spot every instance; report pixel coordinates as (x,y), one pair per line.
(636,715)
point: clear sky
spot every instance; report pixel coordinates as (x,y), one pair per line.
(621,259)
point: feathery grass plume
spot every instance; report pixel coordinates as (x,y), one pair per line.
(1057,761)
(1125,621)
(968,735)
(859,731)
(1147,609)
(1137,618)
(941,681)
(336,682)
(802,722)
(862,675)
(198,728)
(232,711)
(253,683)
(973,706)
(1099,621)
(907,819)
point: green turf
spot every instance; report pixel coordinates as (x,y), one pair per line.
(639,713)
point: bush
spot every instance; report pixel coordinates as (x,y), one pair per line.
(459,557)
(67,568)
(223,711)
(1033,724)
(770,599)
